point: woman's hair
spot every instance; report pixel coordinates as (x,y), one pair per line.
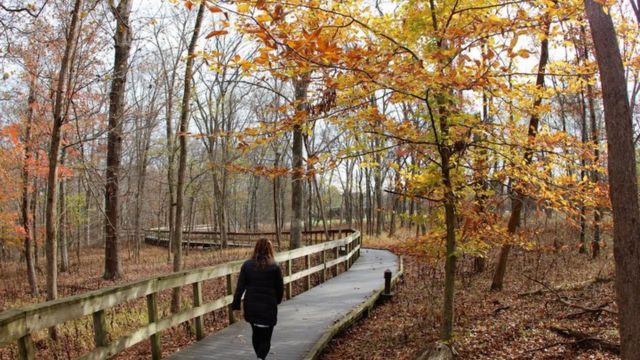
(263,253)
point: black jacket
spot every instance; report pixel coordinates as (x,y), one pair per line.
(264,289)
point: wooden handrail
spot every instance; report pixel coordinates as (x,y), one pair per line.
(17,325)
(264,233)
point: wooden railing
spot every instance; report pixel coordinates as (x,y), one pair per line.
(18,325)
(206,238)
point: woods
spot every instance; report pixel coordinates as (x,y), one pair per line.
(464,132)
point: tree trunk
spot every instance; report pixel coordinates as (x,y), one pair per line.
(26,218)
(123,36)
(360,201)
(348,195)
(369,201)
(583,174)
(62,222)
(142,175)
(297,178)
(480,177)
(595,138)
(446,332)
(395,209)
(182,161)
(170,161)
(595,177)
(377,185)
(622,177)
(276,206)
(34,220)
(221,209)
(87,211)
(63,236)
(54,149)
(517,197)
(314,181)
(309,204)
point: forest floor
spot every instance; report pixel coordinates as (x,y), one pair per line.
(524,321)
(554,305)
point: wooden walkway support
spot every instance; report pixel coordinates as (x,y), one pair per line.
(307,322)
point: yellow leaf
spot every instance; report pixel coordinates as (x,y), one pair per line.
(263,18)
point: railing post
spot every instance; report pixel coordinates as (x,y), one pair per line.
(197,301)
(307,263)
(232,317)
(337,253)
(324,268)
(289,286)
(152,308)
(386,295)
(100,329)
(347,262)
(387,282)
(26,349)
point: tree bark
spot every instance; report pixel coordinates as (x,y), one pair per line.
(34,220)
(595,138)
(622,177)
(446,332)
(62,222)
(517,196)
(276,203)
(297,178)
(221,207)
(123,36)
(26,218)
(583,174)
(377,185)
(480,177)
(182,160)
(395,209)
(140,187)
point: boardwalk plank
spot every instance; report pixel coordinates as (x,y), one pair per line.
(303,319)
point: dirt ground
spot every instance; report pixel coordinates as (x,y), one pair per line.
(526,320)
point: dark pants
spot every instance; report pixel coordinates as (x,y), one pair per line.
(261,340)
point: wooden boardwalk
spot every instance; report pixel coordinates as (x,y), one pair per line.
(305,319)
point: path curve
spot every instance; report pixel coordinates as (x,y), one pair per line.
(303,320)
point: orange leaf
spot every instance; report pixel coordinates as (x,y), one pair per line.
(216,33)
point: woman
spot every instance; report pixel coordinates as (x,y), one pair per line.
(261,278)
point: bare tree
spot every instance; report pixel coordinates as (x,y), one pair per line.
(123,36)
(182,161)
(54,150)
(26,219)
